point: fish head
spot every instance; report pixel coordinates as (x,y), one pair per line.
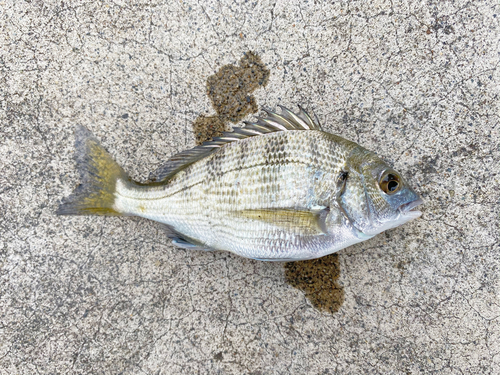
(376,197)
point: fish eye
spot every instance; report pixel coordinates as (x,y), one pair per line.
(390,183)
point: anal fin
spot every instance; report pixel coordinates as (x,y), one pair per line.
(182,241)
(277,259)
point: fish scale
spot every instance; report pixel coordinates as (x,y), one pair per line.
(277,189)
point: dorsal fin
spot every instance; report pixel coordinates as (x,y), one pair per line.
(272,123)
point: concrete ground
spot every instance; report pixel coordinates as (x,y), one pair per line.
(417,82)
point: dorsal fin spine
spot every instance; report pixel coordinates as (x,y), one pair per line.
(292,116)
(274,122)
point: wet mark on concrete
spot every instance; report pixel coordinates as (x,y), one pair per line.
(317,278)
(208,127)
(230,90)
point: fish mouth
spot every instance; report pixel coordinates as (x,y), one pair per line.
(406,209)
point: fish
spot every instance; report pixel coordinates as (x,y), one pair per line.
(276,189)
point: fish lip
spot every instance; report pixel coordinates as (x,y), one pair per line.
(406,209)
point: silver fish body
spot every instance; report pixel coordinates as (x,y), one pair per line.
(280,189)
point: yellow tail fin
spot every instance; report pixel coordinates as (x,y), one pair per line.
(98,176)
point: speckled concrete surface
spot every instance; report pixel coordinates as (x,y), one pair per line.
(417,81)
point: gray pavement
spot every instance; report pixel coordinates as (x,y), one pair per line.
(417,82)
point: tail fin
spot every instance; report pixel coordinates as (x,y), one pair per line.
(98,176)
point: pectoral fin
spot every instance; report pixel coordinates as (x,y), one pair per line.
(306,222)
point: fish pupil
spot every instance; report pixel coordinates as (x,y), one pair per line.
(392,185)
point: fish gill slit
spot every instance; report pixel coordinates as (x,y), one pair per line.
(368,208)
